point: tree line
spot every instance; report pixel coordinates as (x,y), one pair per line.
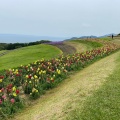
(11,46)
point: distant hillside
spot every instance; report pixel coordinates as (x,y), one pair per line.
(92,36)
(89,36)
(14,38)
(107,35)
(82,37)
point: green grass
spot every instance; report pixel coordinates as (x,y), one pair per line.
(2,51)
(89,44)
(27,55)
(104,104)
(106,38)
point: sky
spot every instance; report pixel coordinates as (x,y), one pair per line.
(60,18)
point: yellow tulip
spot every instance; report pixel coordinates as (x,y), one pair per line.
(40,73)
(0,80)
(35,76)
(26,76)
(30,82)
(14,88)
(14,94)
(36,91)
(44,72)
(38,69)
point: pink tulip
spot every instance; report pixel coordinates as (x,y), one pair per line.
(4,97)
(12,100)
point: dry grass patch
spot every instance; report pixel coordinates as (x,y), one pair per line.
(80,47)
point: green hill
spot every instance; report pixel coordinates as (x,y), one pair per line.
(26,55)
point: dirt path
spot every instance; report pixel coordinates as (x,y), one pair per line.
(56,103)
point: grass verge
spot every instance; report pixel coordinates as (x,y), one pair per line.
(104,104)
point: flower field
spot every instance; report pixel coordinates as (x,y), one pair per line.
(37,77)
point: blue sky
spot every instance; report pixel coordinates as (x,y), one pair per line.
(63,18)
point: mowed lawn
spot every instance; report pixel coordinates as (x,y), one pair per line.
(26,55)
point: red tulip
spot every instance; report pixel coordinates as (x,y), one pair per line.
(17,91)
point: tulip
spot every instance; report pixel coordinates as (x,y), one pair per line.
(35,76)
(12,100)
(14,94)
(30,82)
(14,88)
(17,91)
(1,80)
(4,97)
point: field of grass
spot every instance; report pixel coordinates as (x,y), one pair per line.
(88,44)
(104,104)
(27,55)
(106,38)
(2,51)
(83,45)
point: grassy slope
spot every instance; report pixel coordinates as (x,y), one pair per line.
(83,45)
(90,44)
(79,47)
(2,51)
(72,46)
(27,55)
(71,94)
